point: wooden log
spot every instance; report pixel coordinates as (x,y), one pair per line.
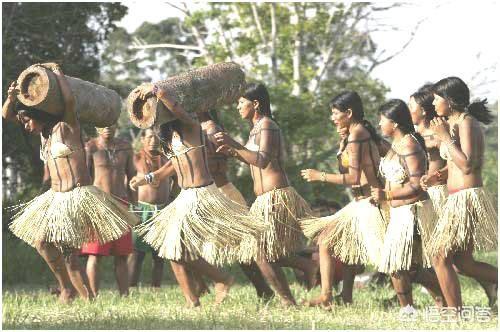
(95,104)
(198,90)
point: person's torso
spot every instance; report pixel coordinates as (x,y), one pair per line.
(217,162)
(157,192)
(64,153)
(273,176)
(110,165)
(189,157)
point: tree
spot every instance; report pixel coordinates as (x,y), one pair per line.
(67,33)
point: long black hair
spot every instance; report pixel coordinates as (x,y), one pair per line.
(457,94)
(351,100)
(165,134)
(258,91)
(397,111)
(424,97)
(48,120)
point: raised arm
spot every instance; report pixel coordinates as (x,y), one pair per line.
(146,90)
(9,106)
(69,116)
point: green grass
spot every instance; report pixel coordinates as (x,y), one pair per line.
(28,305)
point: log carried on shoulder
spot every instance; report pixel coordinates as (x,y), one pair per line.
(198,90)
(94,104)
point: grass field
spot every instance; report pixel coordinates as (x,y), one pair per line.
(28,305)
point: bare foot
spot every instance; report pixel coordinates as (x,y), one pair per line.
(67,296)
(192,304)
(201,289)
(325,301)
(312,275)
(222,289)
(288,302)
(54,290)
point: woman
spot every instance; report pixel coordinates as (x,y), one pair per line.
(201,227)
(468,219)
(355,233)
(73,211)
(278,202)
(422,111)
(411,211)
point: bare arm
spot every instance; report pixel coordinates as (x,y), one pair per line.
(383,147)
(130,171)
(69,116)
(416,163)
(8,108)
(261,158)
(90,159)
(466,156)
(159,175)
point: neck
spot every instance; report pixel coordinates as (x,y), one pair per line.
(424,124)
(256,118)
(397,135)
(352,125)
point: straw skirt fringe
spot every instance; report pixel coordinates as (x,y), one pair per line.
(438,195)
(468,217)
(281,210)
(69,219)
(402,247)
(200,223)
(354,234)
(233,193)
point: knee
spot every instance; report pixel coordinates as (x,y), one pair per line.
(72,263)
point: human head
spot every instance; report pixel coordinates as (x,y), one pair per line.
(35,121)
(452,94)
(107,132)
(421,105)
(395,115)
(254,99)
(150,140)
(346,108)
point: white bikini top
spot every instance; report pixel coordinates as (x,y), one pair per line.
(179,148)
(56,149)
(392,170)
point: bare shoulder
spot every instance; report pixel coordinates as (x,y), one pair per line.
(91,145)
(411,146)
(268,123)
(359,133)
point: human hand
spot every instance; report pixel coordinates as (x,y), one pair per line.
(310,175)
(441,128)
(222,138)
(136,182)
(377,195)
(145,90)
(13,91)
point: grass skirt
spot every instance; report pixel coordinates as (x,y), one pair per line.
(69,219)
(355,234)
(281,209)
(468,217)
(200,222)
(233,193)
(438,195)
(402,246)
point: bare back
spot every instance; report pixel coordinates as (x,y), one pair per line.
(190,156)
(217,162)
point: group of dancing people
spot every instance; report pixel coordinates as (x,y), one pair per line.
(419,207)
